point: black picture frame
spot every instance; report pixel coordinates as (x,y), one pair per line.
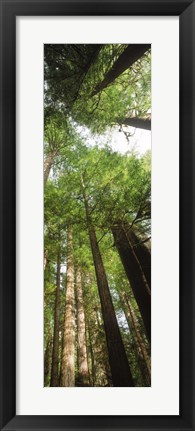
(185,9)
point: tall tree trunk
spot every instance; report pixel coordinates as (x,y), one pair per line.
(81,325)
(139,123)
(67,369)
(47,361)
(129,56)
(121,375)
(55,356)
(138,336)
(142,252)
(140,363)
(90,355)
(134,273)
(101,374)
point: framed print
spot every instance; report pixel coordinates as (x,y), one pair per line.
(97,142)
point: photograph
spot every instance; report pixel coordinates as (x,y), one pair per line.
(97,215)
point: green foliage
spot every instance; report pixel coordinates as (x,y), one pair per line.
(73,71)
(117,187)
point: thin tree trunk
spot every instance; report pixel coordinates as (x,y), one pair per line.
(134,274)
(101,374)
(129,56)
(67,369)
(139,123)
(47,361)
(55,356)
(90,355)
(140,363)
(82,347)
(45,259)
(121,375)
(138,335)
(98,353)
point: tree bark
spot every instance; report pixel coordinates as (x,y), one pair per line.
(140,362)
(67,369)
(138,336)
(139,123)
(100,373)
(129,56)
(142,252)
(48,164)
(82,346)
(134,274)
(47,361)
(55,355)
(121,375)
(90,355)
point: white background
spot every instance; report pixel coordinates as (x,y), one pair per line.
(163,397)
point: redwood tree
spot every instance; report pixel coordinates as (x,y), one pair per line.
(81,330)
(67,368)
(55,360)
(121,374)
(134,272)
